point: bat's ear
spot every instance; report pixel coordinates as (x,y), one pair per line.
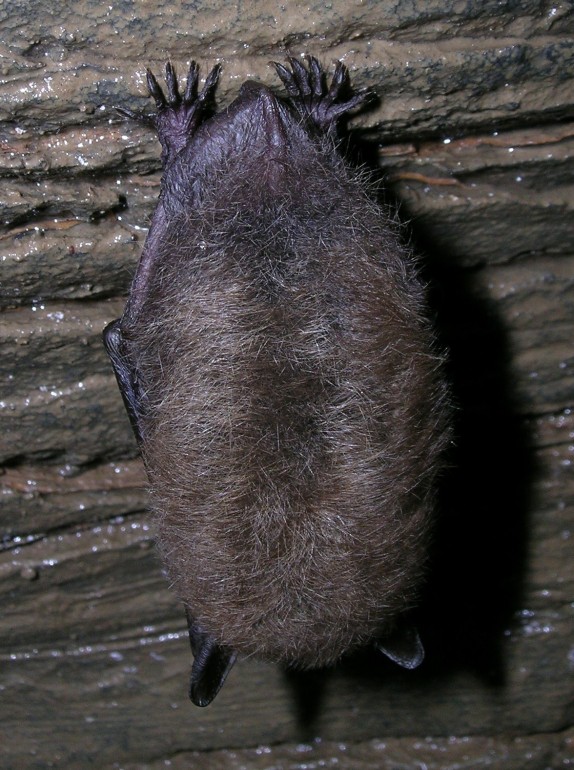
(209,671)
(403,646)
(211,665)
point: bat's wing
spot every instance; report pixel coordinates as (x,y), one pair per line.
(125,375)
(212,663)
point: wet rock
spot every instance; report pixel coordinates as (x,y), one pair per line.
(474,136)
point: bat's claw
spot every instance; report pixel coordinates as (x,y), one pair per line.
(177,116)
(313,98)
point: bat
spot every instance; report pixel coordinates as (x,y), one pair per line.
(279,366)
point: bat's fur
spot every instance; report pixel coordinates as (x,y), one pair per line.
(293,410)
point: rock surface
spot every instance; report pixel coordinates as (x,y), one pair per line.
(474,134)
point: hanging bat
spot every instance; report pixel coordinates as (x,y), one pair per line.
(279,368)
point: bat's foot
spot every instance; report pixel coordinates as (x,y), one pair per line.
(178,115)
(307,87)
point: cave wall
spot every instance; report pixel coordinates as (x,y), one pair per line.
(474,136)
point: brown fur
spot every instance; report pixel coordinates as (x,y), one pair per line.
(293,407)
